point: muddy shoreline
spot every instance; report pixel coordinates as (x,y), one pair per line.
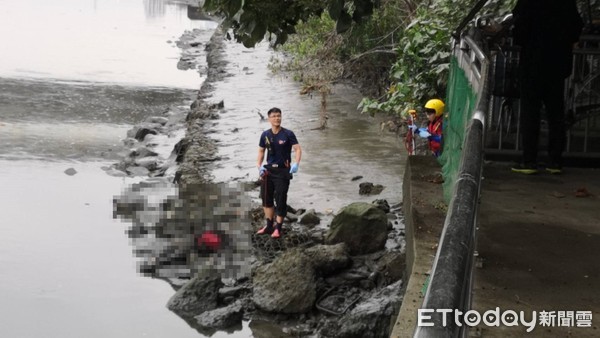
(362,281)
(354,287)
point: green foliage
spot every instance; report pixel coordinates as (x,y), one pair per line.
(402,45)
(250,20)
(382,29)
(310,39)
(421,69)
(316,54)
(311,53)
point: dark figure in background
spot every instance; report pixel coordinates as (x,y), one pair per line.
(546,30)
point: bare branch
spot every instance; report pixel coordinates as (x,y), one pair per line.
(372,51)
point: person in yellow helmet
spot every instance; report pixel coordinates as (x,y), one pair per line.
(434,109)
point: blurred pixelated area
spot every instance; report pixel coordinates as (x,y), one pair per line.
(179,230)
(202,240)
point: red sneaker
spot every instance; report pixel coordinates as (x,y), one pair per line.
(265,230)
(276,234)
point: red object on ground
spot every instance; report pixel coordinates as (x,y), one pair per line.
(276,233)
(210,240)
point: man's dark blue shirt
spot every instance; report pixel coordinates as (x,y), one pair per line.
(278,146)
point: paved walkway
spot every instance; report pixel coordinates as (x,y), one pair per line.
(539,244)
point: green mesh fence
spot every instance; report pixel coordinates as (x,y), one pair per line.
(460,105)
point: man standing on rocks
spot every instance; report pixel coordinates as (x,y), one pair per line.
(277,172)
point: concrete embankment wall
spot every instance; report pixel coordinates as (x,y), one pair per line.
(424,212)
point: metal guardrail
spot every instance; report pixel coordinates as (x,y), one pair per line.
(473,61)
(451,277)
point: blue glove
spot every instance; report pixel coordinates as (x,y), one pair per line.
(424,133)
(262,170)
(422,129)
(294,168)
(412,127)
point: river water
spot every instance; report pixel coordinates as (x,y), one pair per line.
(351,146)
(75,75)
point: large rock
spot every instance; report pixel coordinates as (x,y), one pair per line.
(362,226)
(383,205)
(197,296)
(287,285)
(372,318)
(329,258)
(221,318)
(310,218)
(368,188)
(392,266)
(139,132)
(142,152)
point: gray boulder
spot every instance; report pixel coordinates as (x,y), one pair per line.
(288,285)
(139,132)
(309,218)
(142,152)
(221,318)
(383,205)
(392,266)
(197,296)
(372,318)
(362,226)
(329,258)
(368,188)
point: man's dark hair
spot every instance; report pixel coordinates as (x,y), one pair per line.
(273,110)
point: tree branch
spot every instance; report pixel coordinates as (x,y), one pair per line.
(372,51)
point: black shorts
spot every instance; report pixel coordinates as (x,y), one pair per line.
(274,188)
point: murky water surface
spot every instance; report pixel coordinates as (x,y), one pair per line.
(74,77)
(77,121)
(111,41)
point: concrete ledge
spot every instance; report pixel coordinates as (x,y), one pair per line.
(424,215)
